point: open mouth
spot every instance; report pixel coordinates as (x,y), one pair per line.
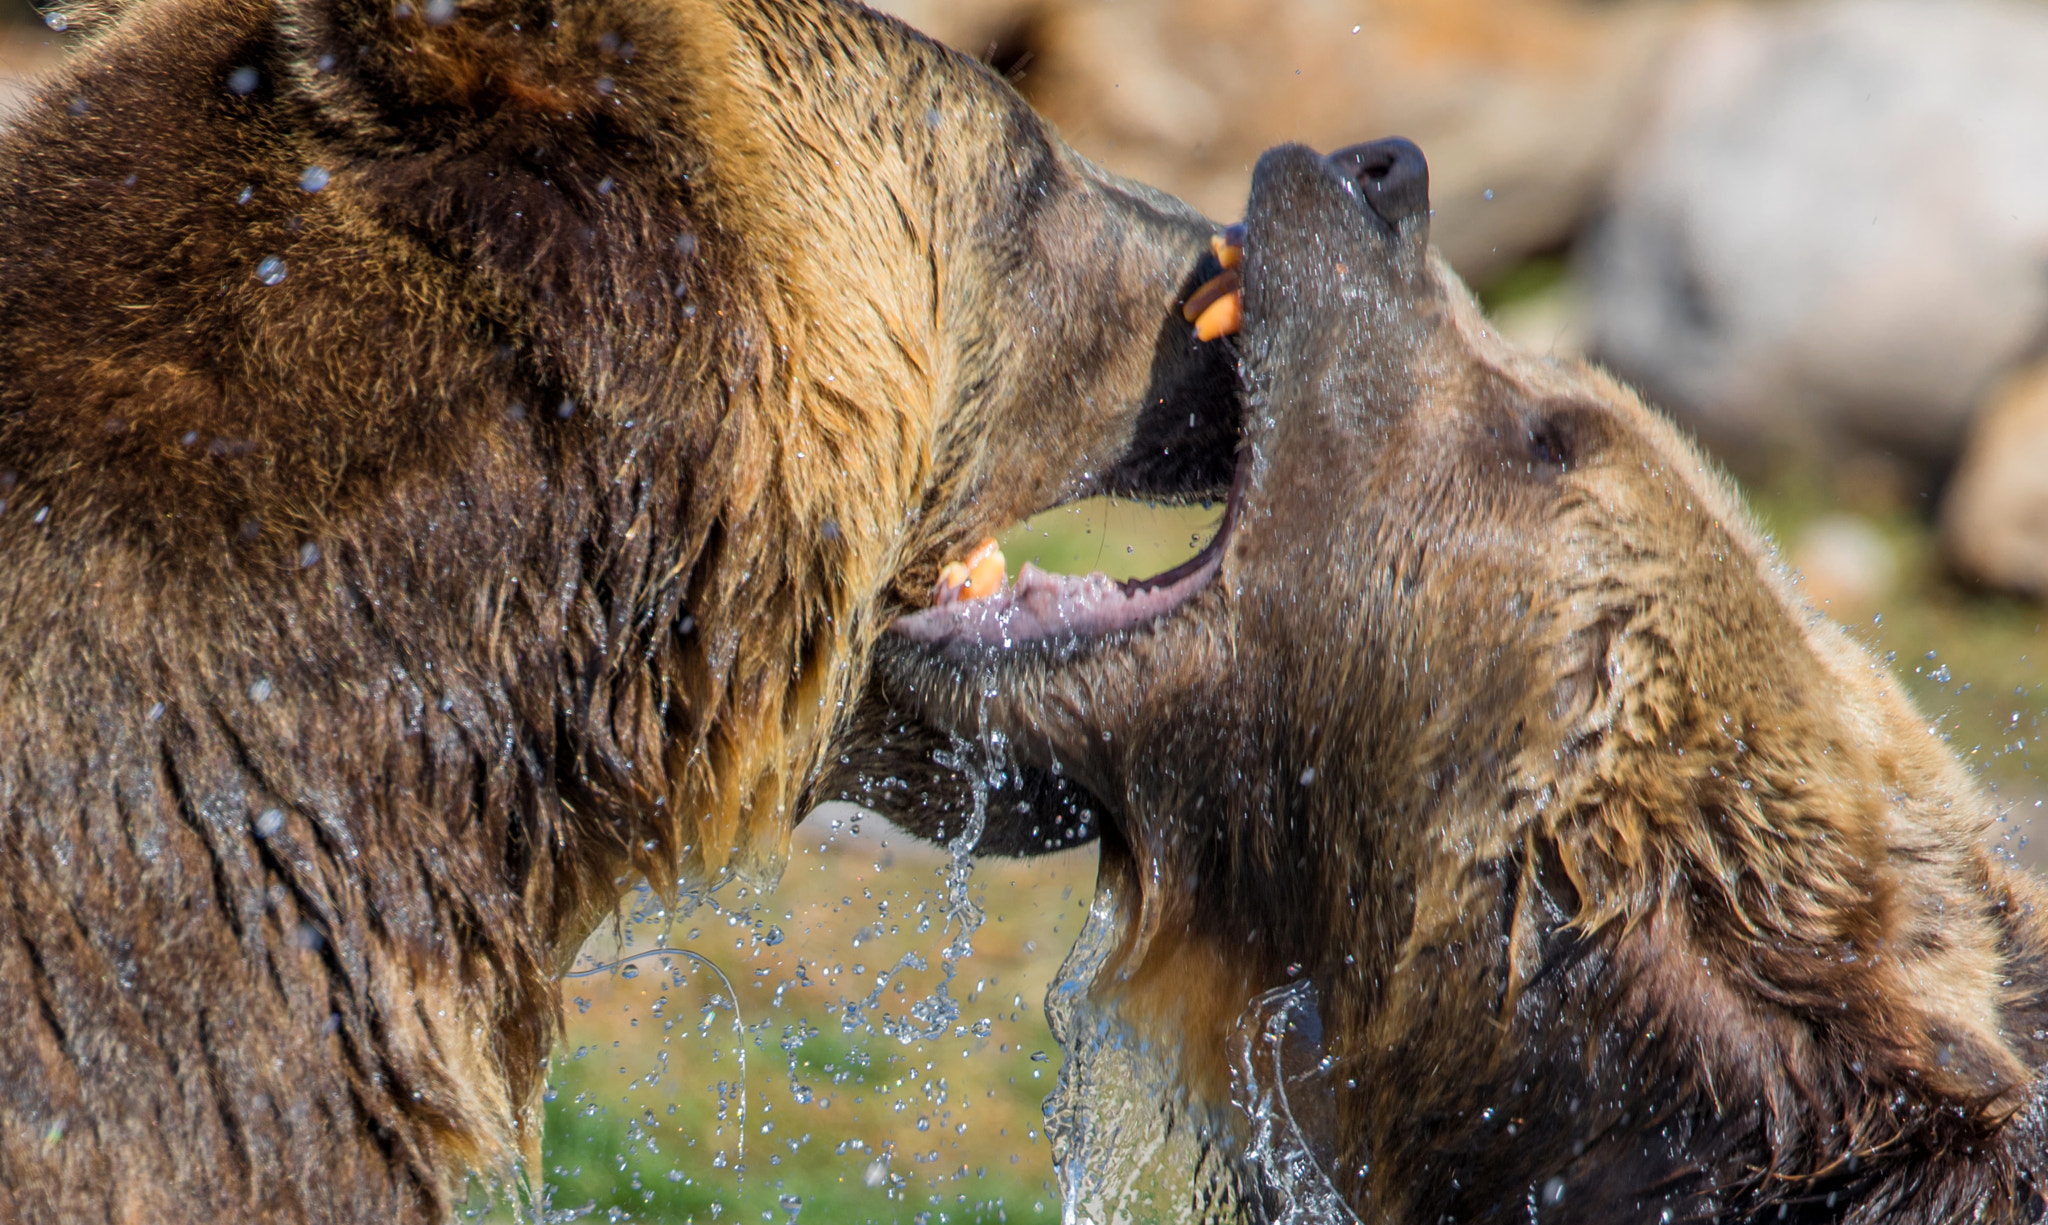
(975,605)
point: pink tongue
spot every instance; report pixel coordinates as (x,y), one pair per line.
(1045,605)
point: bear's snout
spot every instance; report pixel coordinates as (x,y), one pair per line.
(1391,176)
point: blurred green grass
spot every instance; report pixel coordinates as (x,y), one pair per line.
(1122,538)
(650,1117)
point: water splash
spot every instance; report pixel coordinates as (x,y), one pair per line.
(623,966)
(1278,1078)
(934,1015)
(1122,1139)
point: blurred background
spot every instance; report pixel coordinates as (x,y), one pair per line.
(1816,233)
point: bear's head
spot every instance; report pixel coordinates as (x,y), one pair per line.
(1491,734)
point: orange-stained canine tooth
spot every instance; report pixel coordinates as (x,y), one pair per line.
(1223,318)
(988,573)
(975,577)
(980,551)
(952,577)
(1212,289)
(1228,253)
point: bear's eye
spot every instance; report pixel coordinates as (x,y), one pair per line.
(1550,442)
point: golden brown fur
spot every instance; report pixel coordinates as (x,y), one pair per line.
(364,633)
(1627,887)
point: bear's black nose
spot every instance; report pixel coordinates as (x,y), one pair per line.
(1391,175)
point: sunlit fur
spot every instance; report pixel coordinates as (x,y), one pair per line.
(1627,883)
(636,362)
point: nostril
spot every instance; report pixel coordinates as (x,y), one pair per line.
(1391,176)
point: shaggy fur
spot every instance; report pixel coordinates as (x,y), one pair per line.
(1625,886)
(454,460)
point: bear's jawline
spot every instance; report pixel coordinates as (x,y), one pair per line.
(1041,605)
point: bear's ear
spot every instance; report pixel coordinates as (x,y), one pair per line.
(413,75)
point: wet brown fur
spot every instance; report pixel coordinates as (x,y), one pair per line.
(363,635)
(1626,883)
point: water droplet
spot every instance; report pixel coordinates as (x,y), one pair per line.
(260,691)
(243,80)
(630,972)
(309,554)
(270,270)
(1553,1190)
(566,409)
(772,936)
(313,178)
(269,822)
(57,21)
(877,1171)
(1308,776)
(439,12)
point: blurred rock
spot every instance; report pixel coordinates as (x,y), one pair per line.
(1836,227)
(1530,100)
(1847,564)
(1995,515)
(985,29)
(25,51)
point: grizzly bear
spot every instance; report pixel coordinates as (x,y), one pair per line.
(455,458)
(1484,813)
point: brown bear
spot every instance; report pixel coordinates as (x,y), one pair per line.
(1485,814)
(455,457)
